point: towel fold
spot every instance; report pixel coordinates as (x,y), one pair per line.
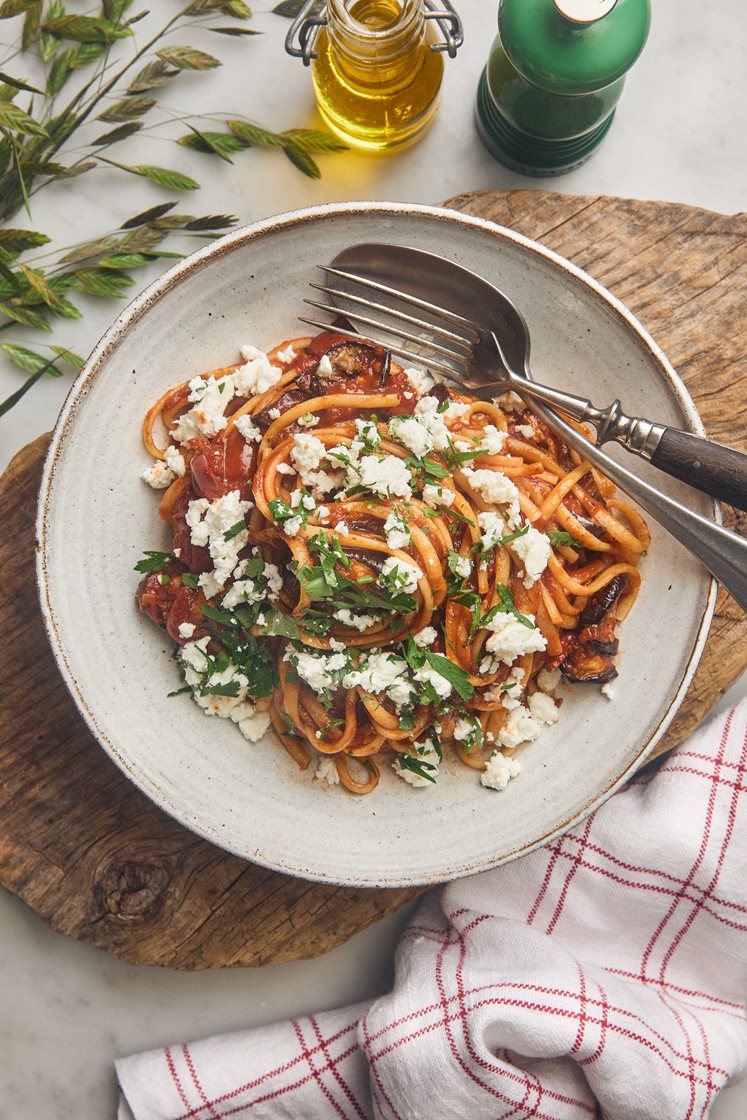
(605,970)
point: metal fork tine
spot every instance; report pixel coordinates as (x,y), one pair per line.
(369,322)
(452,317)
(440,332)
(451,374)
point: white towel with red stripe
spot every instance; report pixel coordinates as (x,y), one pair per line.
(605,971)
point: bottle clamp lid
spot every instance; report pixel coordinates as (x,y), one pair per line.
(584,11)
(302,35)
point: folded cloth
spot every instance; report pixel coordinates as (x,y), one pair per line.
(607,970)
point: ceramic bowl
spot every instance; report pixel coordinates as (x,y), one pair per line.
(96,517)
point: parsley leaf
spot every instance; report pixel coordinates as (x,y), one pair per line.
(560,537)
(417,766)
(234,530)
(457,677)
(153,562)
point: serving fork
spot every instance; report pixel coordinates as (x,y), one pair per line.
(433,311)
(488,362)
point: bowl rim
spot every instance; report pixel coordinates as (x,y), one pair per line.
(149,297)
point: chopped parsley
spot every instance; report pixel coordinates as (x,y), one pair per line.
(417,766)
(559,537)
(153,562)
(234,530)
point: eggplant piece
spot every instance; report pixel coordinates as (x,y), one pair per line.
(603,602)
(589,655)
(582,667)
(590,526)
(262,420)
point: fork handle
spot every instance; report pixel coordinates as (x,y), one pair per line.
(718,470)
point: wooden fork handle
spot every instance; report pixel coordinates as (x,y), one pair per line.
(718,470)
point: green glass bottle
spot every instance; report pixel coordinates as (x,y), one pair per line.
(556,70)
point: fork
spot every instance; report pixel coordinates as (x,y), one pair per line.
(479,360)
(721,551)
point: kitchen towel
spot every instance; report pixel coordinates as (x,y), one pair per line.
(603,974)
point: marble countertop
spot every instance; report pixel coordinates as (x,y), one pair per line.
(67,1009)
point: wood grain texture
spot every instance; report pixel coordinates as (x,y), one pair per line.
(99,862)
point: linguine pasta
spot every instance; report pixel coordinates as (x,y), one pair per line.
(379,567)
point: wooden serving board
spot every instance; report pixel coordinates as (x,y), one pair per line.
(99,862)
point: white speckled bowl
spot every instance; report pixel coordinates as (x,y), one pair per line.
(96,517)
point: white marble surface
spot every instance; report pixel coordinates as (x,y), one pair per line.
(66,1009)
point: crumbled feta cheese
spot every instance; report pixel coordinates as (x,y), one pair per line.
(335,645)
(320,671)
(548,679)
(400,575)
(158,476)
(257,375)
(428,675)
(177,552)
(396,531)
(305,501)
(425,637)
(342,529)
(306,454)
(496,489)
(186,629)
(420,380)
(499,771)
(435,495)
(274,413)
(322,513)
(463,729)
(533,549)
(308,420)
(291,525)
(525,430)
(493,440)
(175,461)
(326,770)
(287,355)
(608,691)
(245,425)
(196,666)
(253,727)
(510,638)
(508,693)
(285,468)
(206,418)
(425,752)
(463,567)
(209,585)
(543,709)
(427,412)
(388,476)
(325,366)
(456,410)
(382,672)
(413,435)
(354,621)
(209,523)
(492,529)
(519,727)
(368,434)
(273,579)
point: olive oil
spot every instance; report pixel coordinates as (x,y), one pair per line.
(375,75)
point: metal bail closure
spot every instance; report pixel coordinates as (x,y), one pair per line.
(302,35)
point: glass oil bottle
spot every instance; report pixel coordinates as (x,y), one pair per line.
(376,67)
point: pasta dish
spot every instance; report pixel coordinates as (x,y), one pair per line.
(382,569)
